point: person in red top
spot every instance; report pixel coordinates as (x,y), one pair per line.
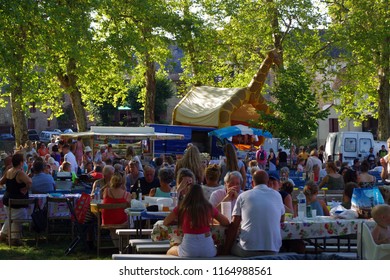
(116,193)
(97,173)
(194,216)
(43,151)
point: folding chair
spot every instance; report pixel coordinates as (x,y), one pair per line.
(18,202)
(81,229)
(108,206)
(51,204)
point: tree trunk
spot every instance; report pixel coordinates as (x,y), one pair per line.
(69,83)
(383,104)
(18,116)
(150,96)
(276,33)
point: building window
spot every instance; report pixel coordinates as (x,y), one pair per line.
(48,123)
(333,125)
(32,107)
(31,123)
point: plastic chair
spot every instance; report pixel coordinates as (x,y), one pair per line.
(108,206)
(53,220)
(369,250)
(19,202)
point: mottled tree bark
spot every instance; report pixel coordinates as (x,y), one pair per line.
(69,83)
(18,115)
(150,78)
(383,104)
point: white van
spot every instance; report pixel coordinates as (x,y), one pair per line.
(46,136)
(348,145)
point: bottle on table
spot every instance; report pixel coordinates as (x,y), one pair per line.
(173,194)
(97,194)
(302,203)
(139,191)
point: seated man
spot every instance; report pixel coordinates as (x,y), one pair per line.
(233,182)
(41,182)
(147,183)
(259,212)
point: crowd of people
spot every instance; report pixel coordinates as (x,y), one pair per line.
(259,190)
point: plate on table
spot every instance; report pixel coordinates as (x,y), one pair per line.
(56,194)
(136,209)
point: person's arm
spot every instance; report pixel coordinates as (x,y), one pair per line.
(3,179)
(323,182)
(324,208)
(288,205)
(170,218)
(222,219)
(152,192)
(23,177)
(384,173)
(231,234)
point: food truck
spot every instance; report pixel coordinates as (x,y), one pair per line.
(141,138)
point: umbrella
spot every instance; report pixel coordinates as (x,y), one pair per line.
(239,129)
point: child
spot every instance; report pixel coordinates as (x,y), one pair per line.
(194,216)
(381,232)
(301,165)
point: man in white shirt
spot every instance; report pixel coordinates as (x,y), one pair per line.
(70,157)
(233,182)
(313,160)
(385,162)
(258,213)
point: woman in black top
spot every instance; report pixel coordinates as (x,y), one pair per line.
(17,185)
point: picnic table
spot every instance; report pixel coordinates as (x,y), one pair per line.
(319,227)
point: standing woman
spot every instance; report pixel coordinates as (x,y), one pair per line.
(194,216)
(79,151)
(271,160)
(232,164)
(17,185)
(193,161)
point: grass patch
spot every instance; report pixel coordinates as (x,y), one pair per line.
(54,250)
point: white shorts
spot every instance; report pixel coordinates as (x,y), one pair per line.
(197,245)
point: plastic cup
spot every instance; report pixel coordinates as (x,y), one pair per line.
(160,207)
(226,210)
(301,215)
(314,213)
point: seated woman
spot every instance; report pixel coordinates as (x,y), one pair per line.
(332,180)
(166,176)
(194,216)
(347,194)
(364,179)
(311,191)
(115,193)
(213,172)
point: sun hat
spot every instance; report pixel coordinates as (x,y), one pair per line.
(87,149)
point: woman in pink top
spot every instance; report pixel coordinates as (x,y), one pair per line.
(79,151)
(194,216)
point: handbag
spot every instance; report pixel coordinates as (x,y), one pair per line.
(364,199)
(39,217)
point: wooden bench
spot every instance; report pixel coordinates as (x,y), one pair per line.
(152,248)
(134,242)
(127,233)
(166,257)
